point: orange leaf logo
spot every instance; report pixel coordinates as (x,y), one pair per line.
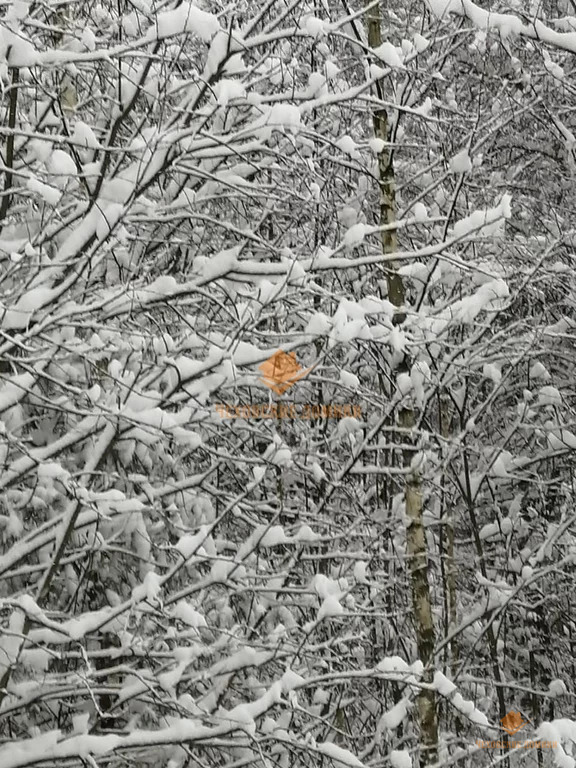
(512,722)
(281,371)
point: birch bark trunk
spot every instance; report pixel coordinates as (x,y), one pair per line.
(415,533)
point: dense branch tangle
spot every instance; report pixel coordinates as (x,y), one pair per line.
(185,194)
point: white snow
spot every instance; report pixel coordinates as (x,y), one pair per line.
(563,728)
(354,310)
(188,614)
(404,384)
(291,680)
(347,145)
(485,223)
(80,722)
(425,108)
(527,572)
(29,605)
(227,90)
(274,535)
(553,68)
(393,664)
(258,473)
(221,570)
(164,285)
(339,755)
(14,389)
(420,42)
(505,206)
(306,534)
(316,87)
(440,8)
(18,10)
(190,544)
(549,396)
(126,505)
(490,371)
(390,55)
(463,705)
(316,27)
(393,717)
(461,163)
(539,371)
(557,688)
(485,298)
(372,305)
(48,193)
(478,717)
(419,376)
(282,457)
(332,70)
(88,39)
(116,190)
(318,325)
(348,425)
(109,216)
(419,211)
(169,680)
(220,264)
(37,659)
(62,167)
(318,472)
(84,135)
(52,470)
(284,115)
(354,236)
(397,339)
(40,149)
(21,52)
(330,607)
(444,686)
(501,465)
(149,589)
(186,18)
(400,759)
(324,586)
(349,379)
(19,315)
(359,572)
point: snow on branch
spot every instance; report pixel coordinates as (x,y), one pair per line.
(506,24)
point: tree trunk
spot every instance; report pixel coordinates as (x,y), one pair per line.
(418,558)
(415,534)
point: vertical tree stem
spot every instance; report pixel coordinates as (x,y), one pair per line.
(387,180)
(9,160)
(418,556)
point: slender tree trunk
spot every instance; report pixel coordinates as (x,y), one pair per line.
(386,172)
(9,156)
(448,560)
(448,513)
(415,534)
(421,603)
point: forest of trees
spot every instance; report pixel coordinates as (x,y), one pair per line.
(288,384)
